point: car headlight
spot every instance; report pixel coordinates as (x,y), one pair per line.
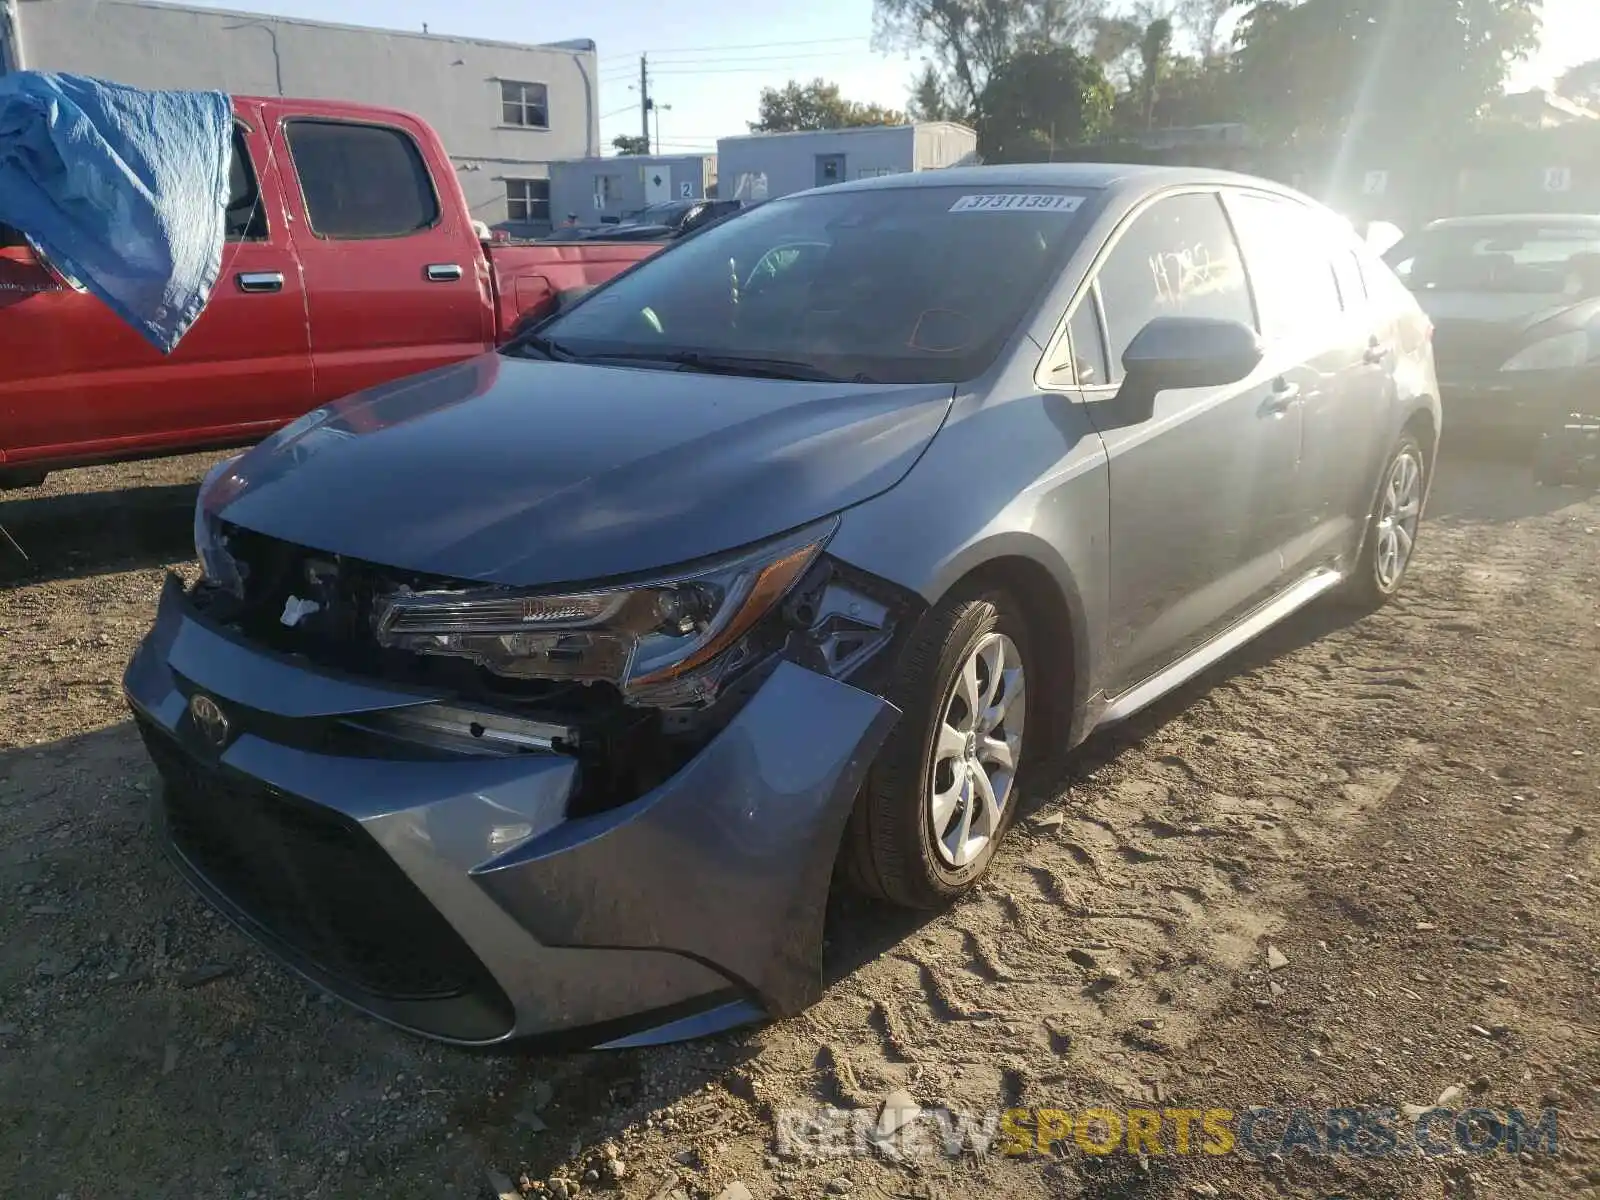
(1563,351)
(218,487)
(664,640)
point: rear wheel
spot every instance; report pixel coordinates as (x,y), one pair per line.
(1392,528)
(943,791)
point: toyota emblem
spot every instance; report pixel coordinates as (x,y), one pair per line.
(210,720)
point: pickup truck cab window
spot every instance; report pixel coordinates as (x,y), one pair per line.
(246,218)
(361,181)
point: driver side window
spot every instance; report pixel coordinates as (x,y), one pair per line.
(1177,258)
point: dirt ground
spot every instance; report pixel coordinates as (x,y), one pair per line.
(1404,807)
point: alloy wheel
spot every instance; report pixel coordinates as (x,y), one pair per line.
(1398,514)
(976,750)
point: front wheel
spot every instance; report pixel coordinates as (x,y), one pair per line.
(1392,528)
(943,791)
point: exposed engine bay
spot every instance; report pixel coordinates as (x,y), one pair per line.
(538,673)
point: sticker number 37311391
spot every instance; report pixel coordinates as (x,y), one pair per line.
(1018,202)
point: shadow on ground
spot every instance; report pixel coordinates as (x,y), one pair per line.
(94,533)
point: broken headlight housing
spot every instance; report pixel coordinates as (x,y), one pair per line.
(218,487)
(667,640)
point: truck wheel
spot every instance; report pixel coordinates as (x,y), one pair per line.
(1392,528)
(943,791)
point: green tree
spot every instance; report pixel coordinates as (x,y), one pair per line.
(1041,100)
(930,100)
(1391,71)
(631,143)
(817,105)
(1155,45)
(971,40)
(1582,83)
(1201,21)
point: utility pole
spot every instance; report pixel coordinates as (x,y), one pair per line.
(644,101)
(11,55)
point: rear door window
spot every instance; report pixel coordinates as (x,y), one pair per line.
(1177,259)
(246,219)
(362,181)
(1290,249)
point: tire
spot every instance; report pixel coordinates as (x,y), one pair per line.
(1378,576)
(892,851)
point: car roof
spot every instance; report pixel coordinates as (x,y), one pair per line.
(1089,176)
(1580,220)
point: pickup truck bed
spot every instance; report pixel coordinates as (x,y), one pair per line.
(351,259)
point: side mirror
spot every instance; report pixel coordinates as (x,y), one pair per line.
(1184,352)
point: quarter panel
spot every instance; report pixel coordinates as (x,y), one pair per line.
(1013,473)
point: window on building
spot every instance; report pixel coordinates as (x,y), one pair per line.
(606,190)
(524,104)
(528,200)
(361,181)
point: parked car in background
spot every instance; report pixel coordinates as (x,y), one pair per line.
(1515,302)
(795,545)
(350,260)
(656,222)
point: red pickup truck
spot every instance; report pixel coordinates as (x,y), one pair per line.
(351,259)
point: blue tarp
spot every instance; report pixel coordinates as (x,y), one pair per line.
(123,189)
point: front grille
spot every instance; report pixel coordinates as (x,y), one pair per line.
(313,879)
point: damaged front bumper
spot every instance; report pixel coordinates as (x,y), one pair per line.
(459,896)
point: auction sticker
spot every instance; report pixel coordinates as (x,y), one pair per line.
(1018,202)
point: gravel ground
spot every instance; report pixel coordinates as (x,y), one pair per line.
(1399,813)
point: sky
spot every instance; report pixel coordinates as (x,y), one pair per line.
(708,63)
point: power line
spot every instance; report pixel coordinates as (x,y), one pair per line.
(760,58)
(616,112)
(718,71)
(747,46)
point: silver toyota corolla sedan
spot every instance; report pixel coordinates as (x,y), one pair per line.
(541,695)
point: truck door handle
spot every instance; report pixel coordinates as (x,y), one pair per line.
(443,272)
(260,281)
(1284,395)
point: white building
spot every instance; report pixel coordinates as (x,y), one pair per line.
(595,189)
(762,166)
(505,111)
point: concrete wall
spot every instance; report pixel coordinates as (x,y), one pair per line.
(789,160)
(453,83)
(575,184)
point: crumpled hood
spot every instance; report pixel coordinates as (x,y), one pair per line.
(516,471)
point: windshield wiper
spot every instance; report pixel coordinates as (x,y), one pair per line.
(733,364)
(548,347)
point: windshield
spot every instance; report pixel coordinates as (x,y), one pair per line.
(656,214)
(907,285)
(1514,257)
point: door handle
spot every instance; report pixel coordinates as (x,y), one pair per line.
(443,272)
(260,281)
(1283,398)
